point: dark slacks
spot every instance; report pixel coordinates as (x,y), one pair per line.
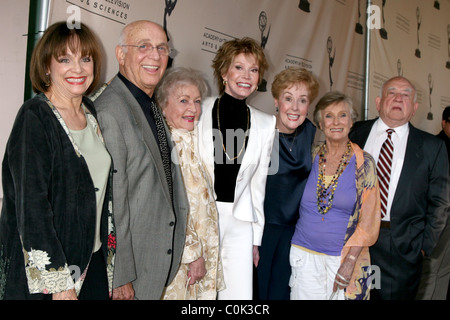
(274,269)
(95,285)
(436,270)
(399,278)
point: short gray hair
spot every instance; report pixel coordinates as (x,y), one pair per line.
(333,97)
(178,76)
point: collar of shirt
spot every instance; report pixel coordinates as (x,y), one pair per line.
(140,95)
(400,134)
(144,101)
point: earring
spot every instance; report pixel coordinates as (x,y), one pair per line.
(48,81)
(225,82)
(276,109)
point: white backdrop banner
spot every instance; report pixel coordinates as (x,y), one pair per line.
(413,41)
(319,35)
(327,37)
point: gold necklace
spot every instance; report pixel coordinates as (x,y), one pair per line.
(221,137)
(287,141)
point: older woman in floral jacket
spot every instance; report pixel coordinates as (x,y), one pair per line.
(200,275)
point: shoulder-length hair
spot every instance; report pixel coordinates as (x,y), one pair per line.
(229,50)
(54,43)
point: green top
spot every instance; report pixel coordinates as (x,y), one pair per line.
(99,162)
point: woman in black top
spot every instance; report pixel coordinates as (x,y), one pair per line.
(235,144)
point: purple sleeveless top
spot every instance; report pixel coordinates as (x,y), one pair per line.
(325,233)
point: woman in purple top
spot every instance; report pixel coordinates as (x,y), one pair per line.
(339,212)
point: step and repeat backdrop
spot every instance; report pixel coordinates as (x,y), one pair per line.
(318,35)
(413,41)
(349,45)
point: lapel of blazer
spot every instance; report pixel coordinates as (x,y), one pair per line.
(253,143)
(360,132)
(206,139)
(413,155)
(144,129)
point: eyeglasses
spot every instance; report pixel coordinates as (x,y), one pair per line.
(162,50)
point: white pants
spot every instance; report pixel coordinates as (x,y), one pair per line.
(236,250)
(313,275)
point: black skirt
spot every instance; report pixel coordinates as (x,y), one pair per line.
(95,285)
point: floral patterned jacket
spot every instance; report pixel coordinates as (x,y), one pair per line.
(202,231)
(49,207)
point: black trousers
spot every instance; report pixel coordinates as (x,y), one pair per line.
(95,285)
(274,269)
(399,278)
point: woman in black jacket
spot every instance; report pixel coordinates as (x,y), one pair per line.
(56,218)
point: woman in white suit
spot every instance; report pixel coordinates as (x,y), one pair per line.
(235,145)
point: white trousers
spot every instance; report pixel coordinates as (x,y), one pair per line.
(313,275)
(236,251)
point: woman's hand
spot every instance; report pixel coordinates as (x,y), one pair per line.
(344,274)
(65,295)
(255,255)
(345,271)
(197,270)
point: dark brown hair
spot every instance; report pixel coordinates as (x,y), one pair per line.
(54,43)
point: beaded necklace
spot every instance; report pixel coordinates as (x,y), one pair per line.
(325,195)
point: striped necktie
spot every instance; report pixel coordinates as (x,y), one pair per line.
(384,170)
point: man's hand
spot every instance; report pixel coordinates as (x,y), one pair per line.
(125,292)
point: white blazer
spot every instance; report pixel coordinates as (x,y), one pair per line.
(251,179)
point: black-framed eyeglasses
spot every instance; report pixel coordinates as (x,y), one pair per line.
(162,50)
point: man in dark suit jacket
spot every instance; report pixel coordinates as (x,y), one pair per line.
(418,200)
(435,280)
